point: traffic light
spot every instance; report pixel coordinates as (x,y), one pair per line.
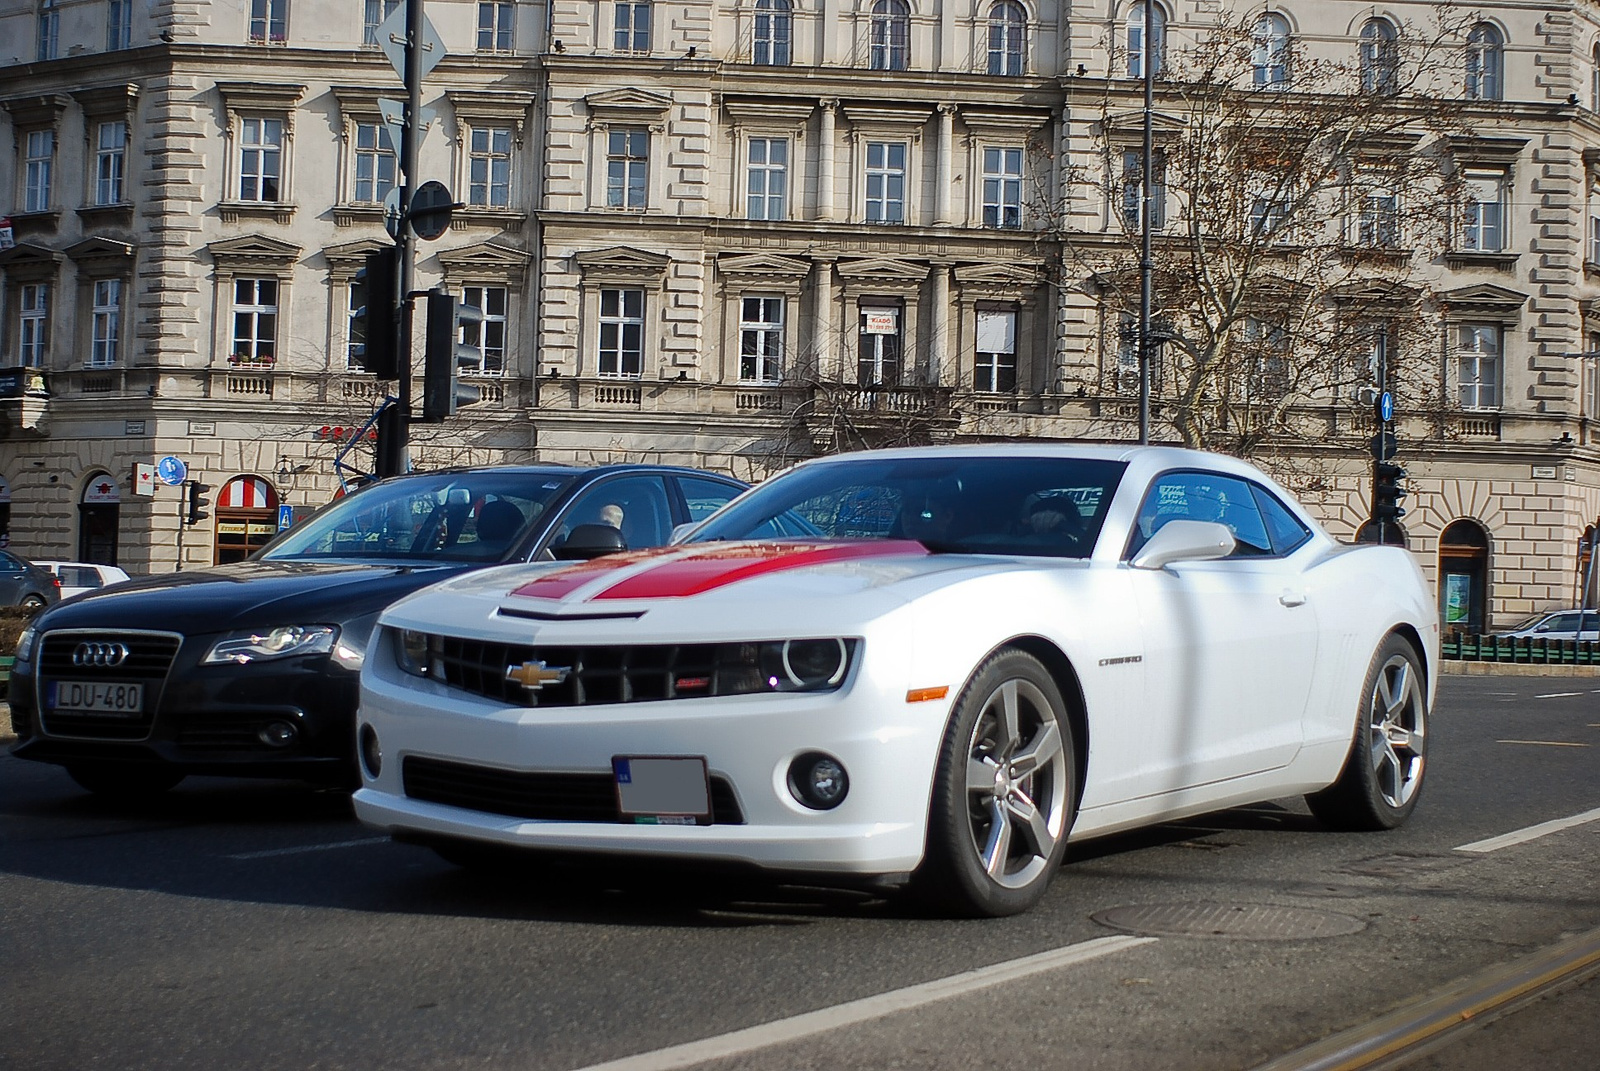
(444,354)
(372,332)
(199,501)
(1387,491)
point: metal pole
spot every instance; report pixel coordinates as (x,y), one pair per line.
(1147,176)
(393,457)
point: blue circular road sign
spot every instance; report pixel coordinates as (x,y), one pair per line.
(1386,406)
(172,470)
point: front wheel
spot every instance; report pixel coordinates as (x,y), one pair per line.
(1382,775)
(124,782)
(1003,795)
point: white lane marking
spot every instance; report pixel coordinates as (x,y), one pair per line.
(1544,743)
(1557,695)
(740,1042)
(1521,836)
(304,848)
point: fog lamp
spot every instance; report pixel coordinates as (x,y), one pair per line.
(819,781)
(371,754)
(278,733)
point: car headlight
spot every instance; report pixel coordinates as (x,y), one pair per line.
(418,652)
(25,642)
(816,665)
(289,641)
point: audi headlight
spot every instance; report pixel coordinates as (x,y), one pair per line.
(24,651)
(289,641)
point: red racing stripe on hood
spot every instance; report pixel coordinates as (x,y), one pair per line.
(720,565)
(563,582)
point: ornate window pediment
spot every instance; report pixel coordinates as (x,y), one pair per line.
(485,109)
(885,270)
(347,259)
(1010,278)
(628,106)
(114,101)
(32,263)
(486,260)
(1483,299)
(39,109)
(763,266)
(621,264)
(253,253)
(102,256)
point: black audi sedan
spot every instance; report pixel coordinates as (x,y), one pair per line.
(251,669)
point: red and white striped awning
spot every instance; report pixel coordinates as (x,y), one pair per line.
(247,492)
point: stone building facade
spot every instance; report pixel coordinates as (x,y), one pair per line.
(728,233)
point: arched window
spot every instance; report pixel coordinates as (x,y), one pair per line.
(891,35)
(774,30)
(1136,42)
(1008,38)
(1380,57)
(1485,62)
(1594,80)
(1270,56)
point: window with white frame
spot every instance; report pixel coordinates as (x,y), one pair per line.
(33,323)
(1478,354)
(1594,79)
(489,167)
(995,366)
(1377,210)
(1485,62)
(260,158)
(106,333)
(38,166)
(886,182)
(774,32)
(767,178)
(110,159)
(487,338)
(496,22)
(1594,220)
(373,14)
(1266,344)
(1133,189)
(760,338)
(255,322)
(49,30)
(1136,42)
(1002,187)
(627,166)
(1268,201)
(355,325)
(890,29)
(376,164)
(631,28)
(1008,38)
(621,333)
(1380,57)
(1483,211)
(878,352)
(1269,57)
(119,24)
(269,22)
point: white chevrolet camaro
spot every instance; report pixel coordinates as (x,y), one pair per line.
(928,666)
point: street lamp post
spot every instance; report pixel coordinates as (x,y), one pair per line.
(1146,178)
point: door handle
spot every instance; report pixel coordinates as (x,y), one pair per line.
(1292,598)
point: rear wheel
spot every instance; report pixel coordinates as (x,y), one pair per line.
(32,604)
(1382,775)
(1003,795)
(124,782)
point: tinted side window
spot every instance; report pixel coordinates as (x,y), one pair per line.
(1285,528)
(637,505)
(76,576)
(9,564)
(705,497)
(1203,496)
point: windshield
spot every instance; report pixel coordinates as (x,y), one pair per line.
(447,517)
(1049,506)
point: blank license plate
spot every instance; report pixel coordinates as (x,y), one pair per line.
(113,699)
(662,791)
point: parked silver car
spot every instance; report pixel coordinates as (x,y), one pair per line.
(24,584)
(1557,625)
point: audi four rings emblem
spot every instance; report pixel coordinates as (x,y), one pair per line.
(100,654)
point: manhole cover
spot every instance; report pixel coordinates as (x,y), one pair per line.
(1246,922)
(1401,865)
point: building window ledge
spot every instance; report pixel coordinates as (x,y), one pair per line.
(107,215)
(1503,262)
(277,211)
(35,222)
(347,215)
(1372,254)
(483,216)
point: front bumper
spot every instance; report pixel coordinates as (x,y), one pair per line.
(202,719)
(887,746)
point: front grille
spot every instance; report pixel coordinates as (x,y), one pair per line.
(634,674)
(150,657)
(556,797)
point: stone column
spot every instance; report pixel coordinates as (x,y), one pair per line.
(945,167)
(825,160)
(941,370)
(824,333)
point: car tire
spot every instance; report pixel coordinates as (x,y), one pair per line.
(1004,793)
(32,604)
(1382,776)
(124,782)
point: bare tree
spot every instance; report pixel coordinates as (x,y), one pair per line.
(1295,200)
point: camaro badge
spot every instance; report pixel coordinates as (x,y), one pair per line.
(535,675)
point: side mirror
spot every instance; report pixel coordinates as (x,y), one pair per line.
(588,541)
(1185,541)
(681,530)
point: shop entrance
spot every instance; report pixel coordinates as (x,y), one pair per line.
(247,517)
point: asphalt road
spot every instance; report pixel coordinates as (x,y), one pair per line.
(256,925)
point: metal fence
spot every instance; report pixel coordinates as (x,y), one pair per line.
(1527,650)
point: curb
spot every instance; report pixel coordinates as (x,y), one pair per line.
(1515,669)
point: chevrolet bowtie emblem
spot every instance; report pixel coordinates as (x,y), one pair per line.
(535,675)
